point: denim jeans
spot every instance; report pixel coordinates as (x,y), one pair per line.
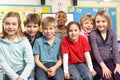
(80,72)
(42,75)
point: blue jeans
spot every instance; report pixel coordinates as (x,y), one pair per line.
(42,75)
(80,72)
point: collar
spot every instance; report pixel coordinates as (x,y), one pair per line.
(7,41)
(46,42)
(87,34)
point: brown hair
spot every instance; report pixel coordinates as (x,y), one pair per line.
(104,14)
(19,32)
(32,17)
(71,23)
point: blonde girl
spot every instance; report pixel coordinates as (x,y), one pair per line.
(106,64)
(15,50)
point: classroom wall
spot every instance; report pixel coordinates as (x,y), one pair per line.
(63,5)
(100,3)
(28,2)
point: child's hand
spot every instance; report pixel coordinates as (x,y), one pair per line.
(19,78)
(67,76)
(51,72)
(106,72)
(93,72)
(117,69)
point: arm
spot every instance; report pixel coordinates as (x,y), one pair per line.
(93,40)
(58,64)
(115,53)
(39,63)
(89,63)
(8,70)
(52,70)
(105,71)
(65,50)
(29,60)
(94,46)
(65,66)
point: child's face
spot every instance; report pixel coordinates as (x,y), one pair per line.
(87,26)
(61,18)
(49,31)
(10,26)
(32,29)
(73,33)
(101,23)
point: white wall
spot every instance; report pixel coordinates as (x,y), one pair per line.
(29,2)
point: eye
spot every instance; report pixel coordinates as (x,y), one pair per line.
(14,24)
(7,23)
(97,21)
(28,26)
(35,26)
(103,21)
(70,30)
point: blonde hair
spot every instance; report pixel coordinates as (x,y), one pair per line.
(86,17)
(19,32)
(104,14)
(49,21)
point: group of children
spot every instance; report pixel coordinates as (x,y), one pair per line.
(59,52)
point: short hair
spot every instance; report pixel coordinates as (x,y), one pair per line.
(60,12)
(106,15)
(86,17)
(32,17)
(49,21)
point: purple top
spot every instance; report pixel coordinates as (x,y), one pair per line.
(101,47)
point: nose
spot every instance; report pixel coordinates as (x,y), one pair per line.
(10,26)
(89,25)
(31,28)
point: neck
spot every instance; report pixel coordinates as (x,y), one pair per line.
(11,38)
(32,38)
(51,40)
(61,28)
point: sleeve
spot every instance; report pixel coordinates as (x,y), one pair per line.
(94,46)
(89,61)
(65,63)
(29,60)
(115,48)
(8,70)
(64,46)
(36,47)
(85,44)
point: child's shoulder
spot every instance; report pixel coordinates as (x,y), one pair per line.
(57,39)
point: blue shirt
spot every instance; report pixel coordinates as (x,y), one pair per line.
(16,56)
(46,52)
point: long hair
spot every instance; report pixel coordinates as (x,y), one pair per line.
(106,15)
(19,31)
